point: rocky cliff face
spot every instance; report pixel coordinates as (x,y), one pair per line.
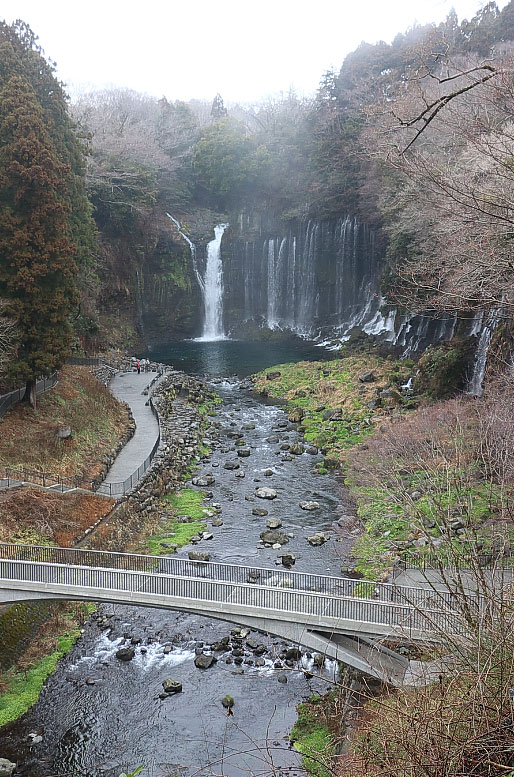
(149,289)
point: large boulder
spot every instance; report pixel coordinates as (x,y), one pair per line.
(266,493)
(273,523)
(273,537)
(204,661)
(6,767)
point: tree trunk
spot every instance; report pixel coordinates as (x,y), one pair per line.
(30,393)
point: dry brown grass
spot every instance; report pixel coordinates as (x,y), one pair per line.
(28,437)
(32,515)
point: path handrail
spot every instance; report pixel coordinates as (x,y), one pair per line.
(279,603)
(13,397)
(230,573)
(123,486)
(501,558)
(45,479)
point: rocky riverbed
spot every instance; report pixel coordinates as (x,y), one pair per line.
(100,714)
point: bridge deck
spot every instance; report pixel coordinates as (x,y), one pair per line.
(337,605)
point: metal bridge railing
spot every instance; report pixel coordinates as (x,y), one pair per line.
(232,574)
(281,604)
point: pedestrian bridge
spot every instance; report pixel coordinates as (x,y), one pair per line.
(344,619)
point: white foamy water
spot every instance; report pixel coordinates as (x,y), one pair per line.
(213,289)
(151,655)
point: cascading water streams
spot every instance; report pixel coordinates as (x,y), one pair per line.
(212,289)
(192,248)
(475,386)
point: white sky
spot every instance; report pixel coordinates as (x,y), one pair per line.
(195,48)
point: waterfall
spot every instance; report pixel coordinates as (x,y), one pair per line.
(319,279)
(272,286)
(192,248)
(475,387)
(212,289)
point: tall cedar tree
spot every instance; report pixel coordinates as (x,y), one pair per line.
(37,269)
(20,54)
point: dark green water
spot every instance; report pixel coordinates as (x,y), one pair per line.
(235,357)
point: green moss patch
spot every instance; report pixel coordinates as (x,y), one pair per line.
(184,502)
(320,387)
(22,687)
(313,739)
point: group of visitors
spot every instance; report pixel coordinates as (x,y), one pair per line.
(142,365)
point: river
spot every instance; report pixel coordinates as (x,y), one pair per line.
(98,716)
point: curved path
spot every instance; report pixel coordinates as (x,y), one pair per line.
(128,387)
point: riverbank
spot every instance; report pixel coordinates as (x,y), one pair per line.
(431,485)
(36,516)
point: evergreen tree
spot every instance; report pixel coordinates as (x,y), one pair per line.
(20,54)
(37,268)
(218,110)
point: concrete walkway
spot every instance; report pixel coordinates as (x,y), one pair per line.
(128,387)
(431,579)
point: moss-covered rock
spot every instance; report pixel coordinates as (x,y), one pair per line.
(443,368)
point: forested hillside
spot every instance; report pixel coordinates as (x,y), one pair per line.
(412,138)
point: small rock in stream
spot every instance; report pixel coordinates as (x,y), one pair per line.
(274,537)
(318,538)
(125,654)
(206,480)
(288,560)
(195,555)
(266,493)
(309,506)
(171,686)
(6,767)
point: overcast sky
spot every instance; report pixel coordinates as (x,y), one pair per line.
(196,48)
